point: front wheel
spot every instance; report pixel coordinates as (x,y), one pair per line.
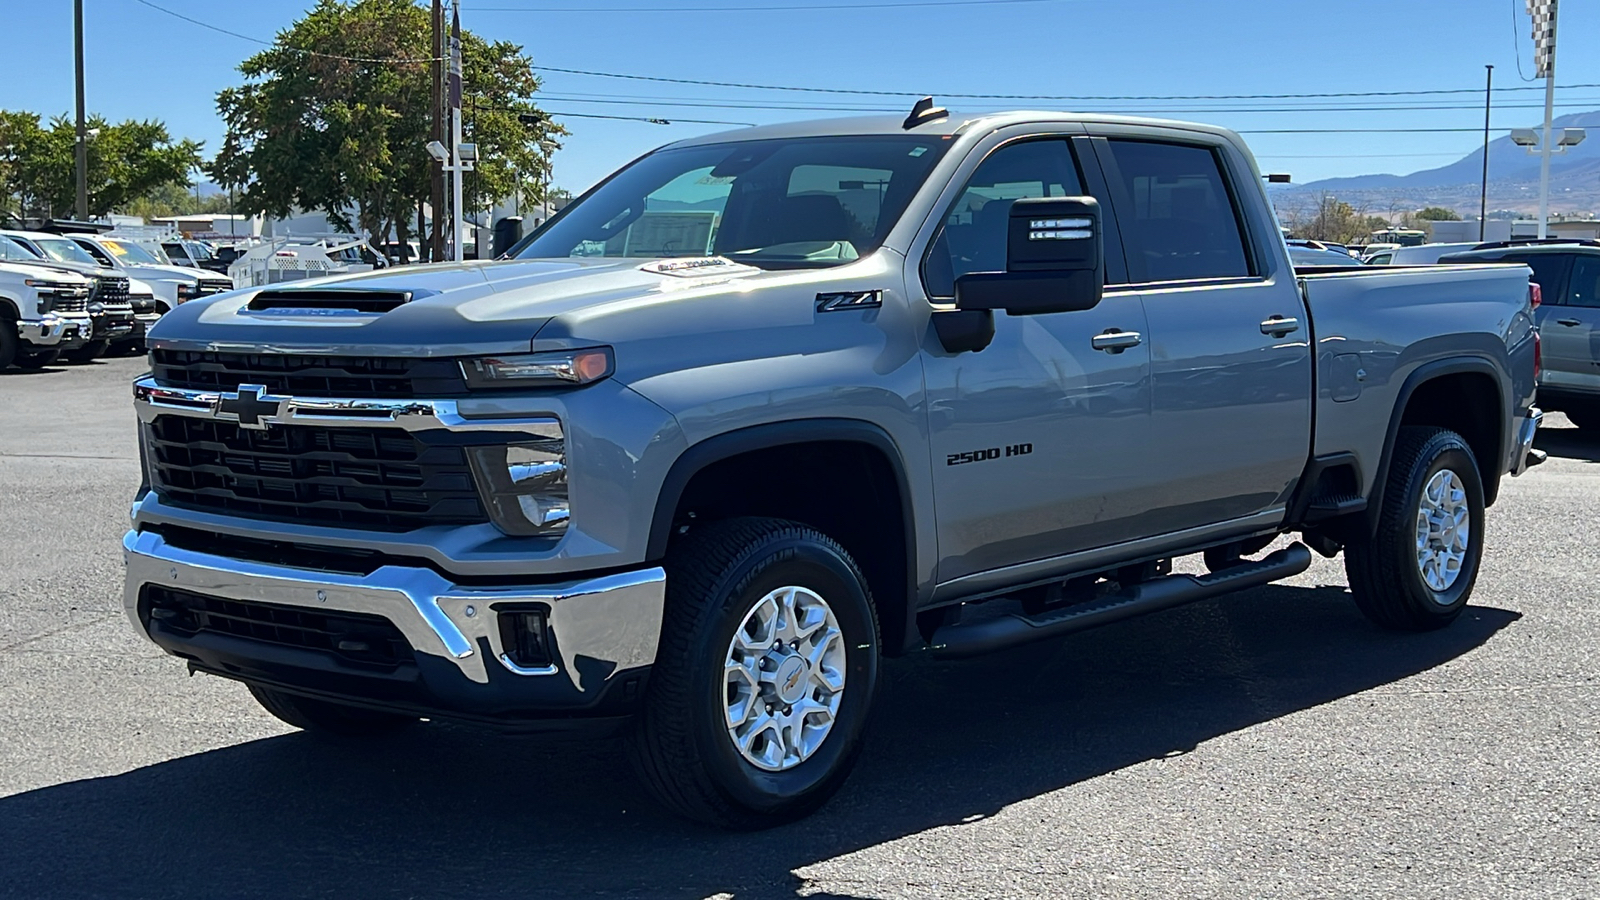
(1416,572)
(764,678)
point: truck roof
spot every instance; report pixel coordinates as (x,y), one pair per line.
(956,123)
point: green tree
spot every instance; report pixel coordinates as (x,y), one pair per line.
(126,161)
(335,117)
(1436,214)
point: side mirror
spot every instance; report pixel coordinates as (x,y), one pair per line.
(1055,260)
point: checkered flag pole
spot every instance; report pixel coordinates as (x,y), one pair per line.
(1543,13)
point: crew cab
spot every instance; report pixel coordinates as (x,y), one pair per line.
(42,310)
(765,407)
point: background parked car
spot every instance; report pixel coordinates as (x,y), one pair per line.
(1314,253)
(1425,255)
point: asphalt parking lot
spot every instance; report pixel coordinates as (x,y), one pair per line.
(1271,744)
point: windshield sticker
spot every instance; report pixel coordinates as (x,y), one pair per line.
(115,247)
(692,267)
(918,151)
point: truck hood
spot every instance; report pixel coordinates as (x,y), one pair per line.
(450,310)
(167,273)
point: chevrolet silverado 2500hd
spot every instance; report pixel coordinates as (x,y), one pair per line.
(764,407)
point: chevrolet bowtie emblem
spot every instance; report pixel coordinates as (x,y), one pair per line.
(250,406)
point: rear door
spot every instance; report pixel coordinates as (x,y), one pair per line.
(1567,318)
(1230,350)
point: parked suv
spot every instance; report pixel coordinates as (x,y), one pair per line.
(1568,275)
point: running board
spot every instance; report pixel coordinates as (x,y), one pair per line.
(960,640)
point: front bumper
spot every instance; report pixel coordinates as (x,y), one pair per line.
(603,632)
(112,326)
(47,331)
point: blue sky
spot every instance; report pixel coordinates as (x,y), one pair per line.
(143,64)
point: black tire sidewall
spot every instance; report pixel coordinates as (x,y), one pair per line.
(1448,451)
(788,560)
(10,344)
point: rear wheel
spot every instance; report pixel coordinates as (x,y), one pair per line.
(36,359)
(1416,572)
(765,675)
(87,353)
(328,719)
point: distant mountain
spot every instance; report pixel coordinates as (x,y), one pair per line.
(1574,176)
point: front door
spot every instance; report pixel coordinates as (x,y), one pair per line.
(1039,440)
(1231,361)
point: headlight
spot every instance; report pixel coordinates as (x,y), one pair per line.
(524,370)
(525,484)
(187,292)
(56,286)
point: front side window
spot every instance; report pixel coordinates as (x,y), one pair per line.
(973,236)
(1585,290)
(13,251)
(1176,214)
(800,203)
(100,256)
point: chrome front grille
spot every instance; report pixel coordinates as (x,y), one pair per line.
(62,304)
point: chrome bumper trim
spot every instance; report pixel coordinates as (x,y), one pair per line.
(1525,435)
(151,399)
(46,331)
(612,619)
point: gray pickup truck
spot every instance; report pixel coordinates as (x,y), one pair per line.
(765,407)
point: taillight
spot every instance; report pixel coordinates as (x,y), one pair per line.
(1538,355)
(1535,294)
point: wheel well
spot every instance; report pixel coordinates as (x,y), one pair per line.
(847,490)
(1467,403)
(9,310)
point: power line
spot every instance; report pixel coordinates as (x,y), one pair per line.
(653,121)
(952,94)
(914,4)
(245,37)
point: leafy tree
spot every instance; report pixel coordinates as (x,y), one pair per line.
(1330,219)
(126,161)
(1436,214)
(336,116)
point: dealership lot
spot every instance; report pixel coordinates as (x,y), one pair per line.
(1269,744)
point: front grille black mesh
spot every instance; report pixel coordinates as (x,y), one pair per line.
(310,376)
(110,289)
(378,478)
(365,640)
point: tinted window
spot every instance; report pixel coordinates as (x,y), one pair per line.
(973,238)
(11,250)
(1176,215)
(95,251)
(775,204)
(1548,271)
(1585,289)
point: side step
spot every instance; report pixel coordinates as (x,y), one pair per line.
(960,640)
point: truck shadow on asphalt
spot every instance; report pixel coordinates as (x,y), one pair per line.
(1569,443)
(451,812)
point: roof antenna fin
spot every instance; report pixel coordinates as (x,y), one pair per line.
(923,112)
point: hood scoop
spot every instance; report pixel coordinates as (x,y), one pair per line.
(328,302)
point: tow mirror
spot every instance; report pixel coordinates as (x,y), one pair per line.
(1055,260)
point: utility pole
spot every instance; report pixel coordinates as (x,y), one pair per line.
(436,69)
(457,212)
(82,160)
(1483,200)
(1544,45)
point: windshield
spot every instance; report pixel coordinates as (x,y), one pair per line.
(774,204)
(132,253)
(63,250)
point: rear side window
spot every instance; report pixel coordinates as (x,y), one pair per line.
(1585,289)
(1549,270)
(1177,216)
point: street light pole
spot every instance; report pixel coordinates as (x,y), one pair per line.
(81,162)
(457,211)
(1483,199)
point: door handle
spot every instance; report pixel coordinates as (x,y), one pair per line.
(1570,323)
(1115,340)
(1278,326)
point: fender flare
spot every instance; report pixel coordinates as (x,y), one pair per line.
(1421,375)
(724,446)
